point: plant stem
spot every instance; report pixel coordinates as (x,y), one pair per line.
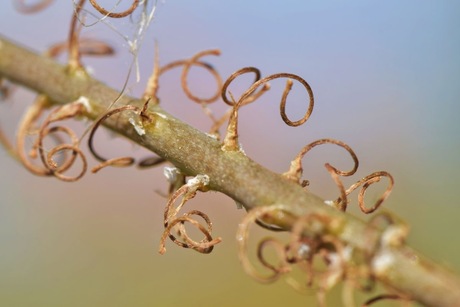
(231,173)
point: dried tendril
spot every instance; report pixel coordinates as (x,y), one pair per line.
(26,124)
(242,240)
(231,138)
(365,183)
(120,161)
(50,166)
(307,240)
(296,170)
(112,14)
(87,46)
(152,86)
(187,192)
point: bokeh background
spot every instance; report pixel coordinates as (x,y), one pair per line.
(386,78)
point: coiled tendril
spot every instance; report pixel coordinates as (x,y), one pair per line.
(187,64)
(121,161)
(50,166)
(231,139)
(295,173)
(112,14)
(307,241)
(187,192)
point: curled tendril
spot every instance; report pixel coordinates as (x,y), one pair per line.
(286,91)
(307,241)
(187,192)
(365,183)
(205,246)
(150,92)
(296,250)
(231,139)
(51,168)
(111,14)
(120,162)
(296,170)
(61,113)
(303,249)
(283,267)
(87,46)
(57,171)
(50,165)
(187,64)
(192,61)
(26,124)
(236,74)
(242,240)
(24,8)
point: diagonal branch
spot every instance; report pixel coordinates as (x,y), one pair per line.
(233,174)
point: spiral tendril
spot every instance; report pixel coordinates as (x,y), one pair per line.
(187,192)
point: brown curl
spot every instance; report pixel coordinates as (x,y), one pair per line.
(87,46)
(302,249)
(57,172)
(365,183)
(236,74)
(187,192)
(119,162)
(110,14)
(307,241)
(231,139)
(187,64)
(279,248)
(205,246)
(51,168)
(296,170)
(242,240)
(28,120)
(286,91)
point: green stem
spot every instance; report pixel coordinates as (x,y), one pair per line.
(231,172)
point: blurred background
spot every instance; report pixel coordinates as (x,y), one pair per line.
(386,79)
